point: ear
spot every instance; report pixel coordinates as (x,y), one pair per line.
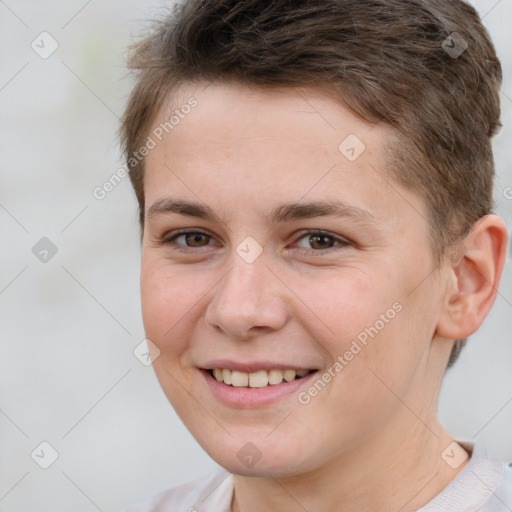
(474,278)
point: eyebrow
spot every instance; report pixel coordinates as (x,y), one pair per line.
(284,213)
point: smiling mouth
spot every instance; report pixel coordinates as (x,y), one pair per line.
(260,379)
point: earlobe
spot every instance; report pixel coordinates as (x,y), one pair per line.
(475,276)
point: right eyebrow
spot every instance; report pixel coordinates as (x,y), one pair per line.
(188,208)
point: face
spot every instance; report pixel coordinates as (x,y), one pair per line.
(276,248)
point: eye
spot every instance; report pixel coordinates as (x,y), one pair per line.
(322,241)
(190,240)
(315,241)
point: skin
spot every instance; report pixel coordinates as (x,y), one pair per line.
(371,439)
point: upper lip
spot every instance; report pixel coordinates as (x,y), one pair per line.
(251,366)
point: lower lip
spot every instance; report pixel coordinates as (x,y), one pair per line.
(244,397)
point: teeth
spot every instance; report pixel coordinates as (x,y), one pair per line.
(226,376)
(289,375)
(275,377)
(239,379)
(258,379)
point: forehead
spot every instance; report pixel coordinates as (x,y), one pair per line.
(282,145)
(248,111)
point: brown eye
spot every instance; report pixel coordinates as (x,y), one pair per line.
(187,240)
(195,239)
(321,241)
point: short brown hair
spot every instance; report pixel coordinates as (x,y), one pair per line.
(427,68)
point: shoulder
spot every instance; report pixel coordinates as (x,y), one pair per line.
(501,498)
(211,493)
(484,485)
(492,479)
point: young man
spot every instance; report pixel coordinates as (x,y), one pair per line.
(315,188)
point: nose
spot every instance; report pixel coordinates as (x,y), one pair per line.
(248,301)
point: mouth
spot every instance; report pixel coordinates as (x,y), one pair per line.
(258,379)
(254,384)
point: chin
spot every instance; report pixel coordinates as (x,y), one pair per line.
(265,467)
(259,459)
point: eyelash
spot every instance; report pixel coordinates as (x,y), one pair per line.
(342,242)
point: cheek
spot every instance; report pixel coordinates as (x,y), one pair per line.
(345,306)
(366,324)
(167,305)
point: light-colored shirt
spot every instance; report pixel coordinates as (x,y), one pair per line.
(483,485)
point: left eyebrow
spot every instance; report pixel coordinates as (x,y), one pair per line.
(335,208)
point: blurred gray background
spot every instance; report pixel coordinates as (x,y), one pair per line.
(70,320)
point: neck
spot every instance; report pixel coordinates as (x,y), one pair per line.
(391,473)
